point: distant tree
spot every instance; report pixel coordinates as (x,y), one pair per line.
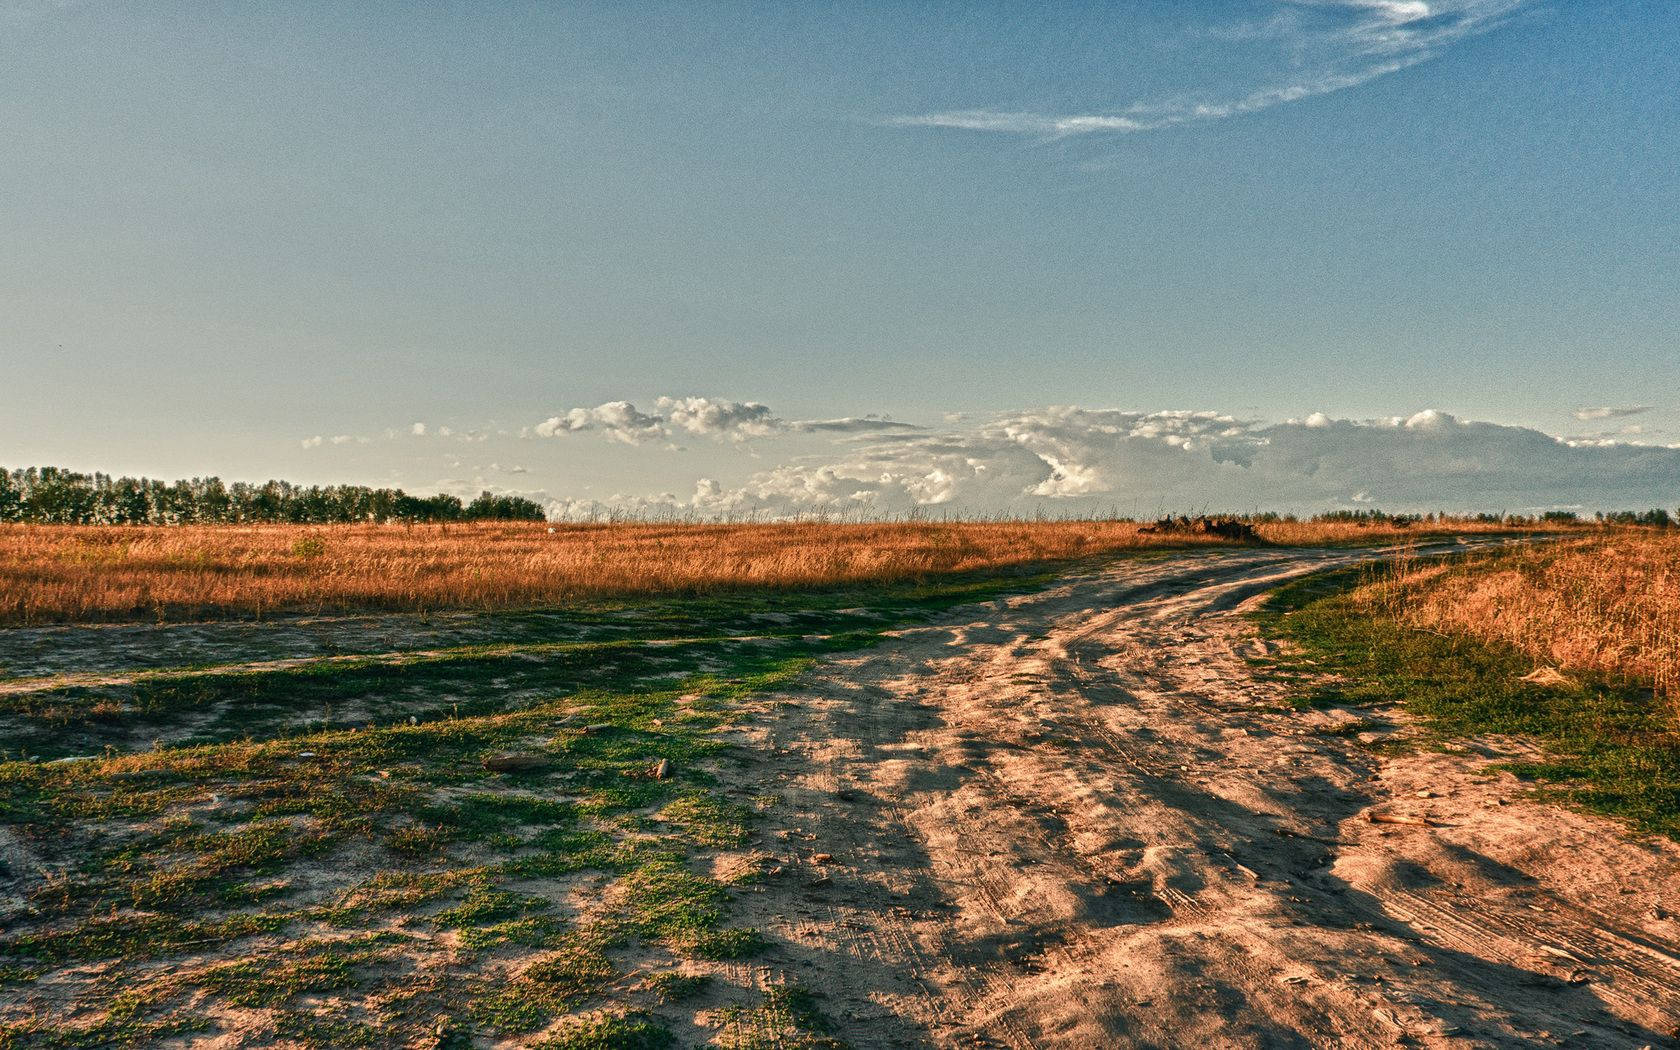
(1368,517)
(57,496)
(502,508)
(11,498)
(1656,517)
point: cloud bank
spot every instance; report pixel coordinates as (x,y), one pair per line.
(1324,45)
(1075,461)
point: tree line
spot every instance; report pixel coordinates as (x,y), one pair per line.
(1656,517)
(53,495)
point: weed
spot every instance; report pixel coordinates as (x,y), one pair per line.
(672,987)
(633,1031)
(788,1017)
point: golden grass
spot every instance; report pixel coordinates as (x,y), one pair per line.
(71,573)
(1609,603)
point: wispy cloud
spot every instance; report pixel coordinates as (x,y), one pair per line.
(1348,43)
(1610,412)
(851,425)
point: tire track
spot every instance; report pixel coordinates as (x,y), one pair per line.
(1076,818)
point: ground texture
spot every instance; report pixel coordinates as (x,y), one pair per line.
(1076,818)
(1081,815)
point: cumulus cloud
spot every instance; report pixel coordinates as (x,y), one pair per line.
(618,420)
(1073,460)
(1610,412)
(674,417)
(708,417)
(1325,45)
(418,430)
(699,416)
(718,418)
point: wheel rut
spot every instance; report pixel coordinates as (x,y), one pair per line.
(1076,818)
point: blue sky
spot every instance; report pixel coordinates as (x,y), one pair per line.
(228,229)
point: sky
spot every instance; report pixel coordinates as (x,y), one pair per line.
(724,258)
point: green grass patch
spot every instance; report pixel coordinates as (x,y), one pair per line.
(788,1017)
(326,843)
(632,1031)
(1611,746)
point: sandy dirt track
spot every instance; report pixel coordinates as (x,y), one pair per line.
(1076,818)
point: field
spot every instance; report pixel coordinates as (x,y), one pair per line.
(1010,784)
(1607,604)
(1474,646)
(59,574)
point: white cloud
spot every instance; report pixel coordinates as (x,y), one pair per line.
(713,418)
(1394,10)
(619,420)
(418,430)
(1073,460)
(717,418)
(1610,412)
(1097,461)
(1326,46)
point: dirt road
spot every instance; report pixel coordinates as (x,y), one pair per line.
(1076,818)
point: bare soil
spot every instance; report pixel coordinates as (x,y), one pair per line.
(1078,818)
(1081,817)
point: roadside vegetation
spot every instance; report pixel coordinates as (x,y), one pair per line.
(527,840)
(1571,645)
(68,574)
(1609,603)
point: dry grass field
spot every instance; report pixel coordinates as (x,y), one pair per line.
(1609,603)
(807,786)
(58,574)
